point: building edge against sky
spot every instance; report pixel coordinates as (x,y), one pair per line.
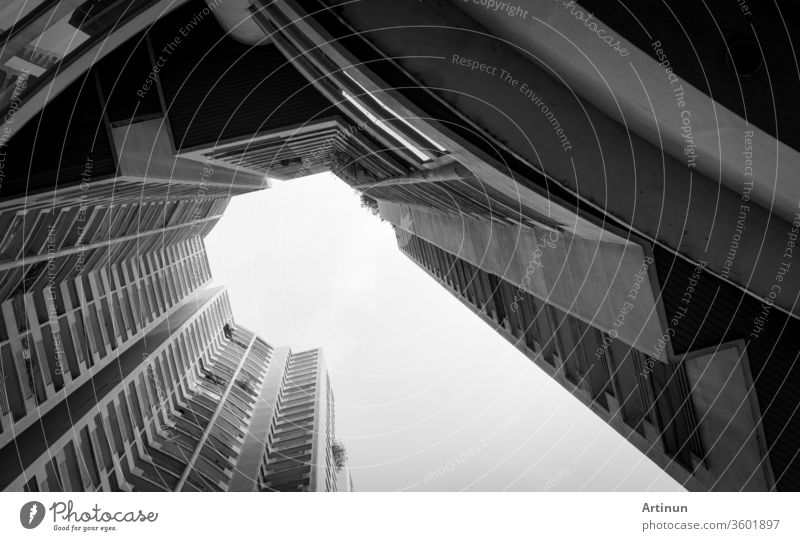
(122,369)
(686,371)
(188,407)
(389,115)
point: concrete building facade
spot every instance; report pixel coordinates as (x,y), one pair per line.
(181,409)
(301,441)
(121,368)
(517,171)
(633,234)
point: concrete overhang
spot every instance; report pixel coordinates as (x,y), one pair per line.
(616,178)
(631,87)
(144,151)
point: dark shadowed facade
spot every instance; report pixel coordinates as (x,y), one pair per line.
(631,234)
(608,246)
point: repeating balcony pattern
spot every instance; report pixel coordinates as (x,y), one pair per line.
(651,398)
(171,414)
(300,450)
(54,338)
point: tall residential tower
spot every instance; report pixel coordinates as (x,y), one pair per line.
(642,258)
(120,368)
(636,260)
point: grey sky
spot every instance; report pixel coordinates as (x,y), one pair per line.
(428,397)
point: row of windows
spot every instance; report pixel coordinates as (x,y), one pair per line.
(643,389)
(216,459)
(110,307)
(162,406)
(49,231)
(160,413)
(291,441)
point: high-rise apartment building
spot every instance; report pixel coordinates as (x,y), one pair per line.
(301,441)
(121,370)
(658,407)
(181,408)
(293,446)
(639,259)
(624,269)
(57,336)
(112,430)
